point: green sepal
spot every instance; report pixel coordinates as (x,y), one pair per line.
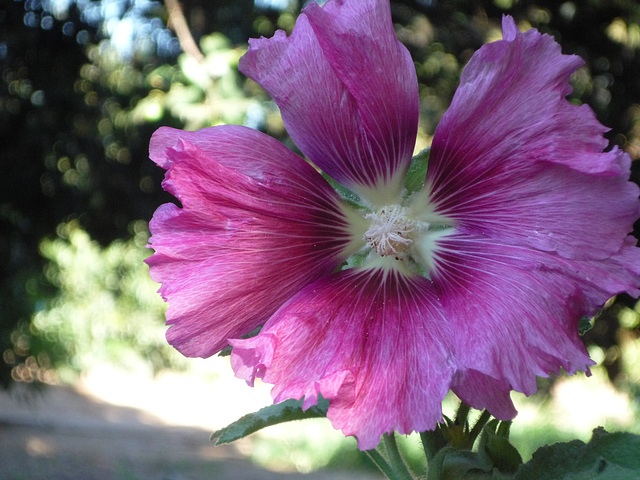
(607,456)
(584,325)
(496,458)
(454,464)
(433,441)
(350,197)
(417,172)
(495,446)
(226,351)
(286,411)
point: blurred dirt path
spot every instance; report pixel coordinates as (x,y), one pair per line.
(65,434)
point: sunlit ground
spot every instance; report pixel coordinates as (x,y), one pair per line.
(210,397)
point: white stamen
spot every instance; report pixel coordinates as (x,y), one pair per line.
(390,231)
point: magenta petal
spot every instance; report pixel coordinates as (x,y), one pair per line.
(355,121)
(359,42)
(602,279)
(374,343)
(257,223)
(481,392)
(541,214)
(513,160)
(515,310)
(552,208)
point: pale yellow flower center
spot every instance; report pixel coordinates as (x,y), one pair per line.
(391,230)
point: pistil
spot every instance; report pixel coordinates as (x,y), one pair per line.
(390,231)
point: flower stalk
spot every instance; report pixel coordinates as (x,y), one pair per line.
(391,463)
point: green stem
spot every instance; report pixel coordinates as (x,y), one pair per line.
(395,459)
(381,463)
(431,443)
(477,428)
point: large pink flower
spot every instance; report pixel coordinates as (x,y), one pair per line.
(384,303)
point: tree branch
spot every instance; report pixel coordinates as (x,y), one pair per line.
(179,25)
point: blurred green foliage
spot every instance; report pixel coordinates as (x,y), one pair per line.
(198,94)
(107,310)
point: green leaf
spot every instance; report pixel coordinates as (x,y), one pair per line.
(417,172)
(607,456)
(286,411)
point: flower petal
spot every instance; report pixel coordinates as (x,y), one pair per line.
(515,310)
(551,208)
(358,40)
(512,159)
(371,341)
(257,224)
(602,279)
(354,119)
(481,392)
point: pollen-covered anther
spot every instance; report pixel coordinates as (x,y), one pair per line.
(390,231)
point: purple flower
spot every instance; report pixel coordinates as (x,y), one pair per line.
(474,283)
